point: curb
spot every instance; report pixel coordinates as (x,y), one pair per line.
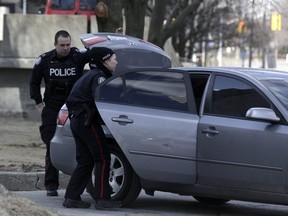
(30,181)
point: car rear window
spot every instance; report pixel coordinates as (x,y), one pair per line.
(133,59)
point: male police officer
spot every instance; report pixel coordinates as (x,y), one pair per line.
(92,150)
(60,68)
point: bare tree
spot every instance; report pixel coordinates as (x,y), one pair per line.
(134,12)
(173,23)
(157,21)
(114,18)
(135,17)
(193,25)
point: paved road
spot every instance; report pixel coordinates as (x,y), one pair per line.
(161,204)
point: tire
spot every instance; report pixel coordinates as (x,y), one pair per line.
(210,201)
(124,181)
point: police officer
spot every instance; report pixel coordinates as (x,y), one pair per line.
(60,68)
(91,146)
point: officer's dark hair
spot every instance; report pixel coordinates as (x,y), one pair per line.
(62,33)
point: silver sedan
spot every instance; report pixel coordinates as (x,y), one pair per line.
(216,134)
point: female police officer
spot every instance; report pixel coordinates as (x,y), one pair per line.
(91,146)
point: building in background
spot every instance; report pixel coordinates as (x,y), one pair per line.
(11,6)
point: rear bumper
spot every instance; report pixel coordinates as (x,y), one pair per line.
(63,152)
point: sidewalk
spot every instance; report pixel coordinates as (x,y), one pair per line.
(28,181)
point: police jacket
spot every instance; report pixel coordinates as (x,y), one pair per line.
(59,75)
(84,89)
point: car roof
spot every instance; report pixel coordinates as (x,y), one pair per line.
(256,73)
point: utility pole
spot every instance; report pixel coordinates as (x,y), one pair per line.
(219,52)
(251,36)
(24,7)
(264,41)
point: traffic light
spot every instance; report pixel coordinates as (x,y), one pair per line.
(241,26)
(275,22)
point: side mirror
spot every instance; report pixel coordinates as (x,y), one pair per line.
(261,113)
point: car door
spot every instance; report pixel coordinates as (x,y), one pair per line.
(148,114)
(235,152)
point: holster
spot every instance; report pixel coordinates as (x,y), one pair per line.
(89,114)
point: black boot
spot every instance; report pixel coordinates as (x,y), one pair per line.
(102,204)
(69,203)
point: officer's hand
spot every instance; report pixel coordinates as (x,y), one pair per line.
(119,30)
(40,107)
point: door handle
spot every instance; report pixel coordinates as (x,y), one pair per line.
(122,119)
(211,131)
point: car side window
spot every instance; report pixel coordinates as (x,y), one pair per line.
(87,4)
(233,97)
(164,90)
(63,5)
(113,91)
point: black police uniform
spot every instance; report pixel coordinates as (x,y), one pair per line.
(91,145)
(59,75)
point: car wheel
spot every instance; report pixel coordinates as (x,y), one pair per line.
(210,201)
(124,181)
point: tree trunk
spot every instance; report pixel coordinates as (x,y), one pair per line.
(135,17)
(182,42)
(114,19)
(157,20)
(173,25)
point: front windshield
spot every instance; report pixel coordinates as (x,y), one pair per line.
(279,87)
